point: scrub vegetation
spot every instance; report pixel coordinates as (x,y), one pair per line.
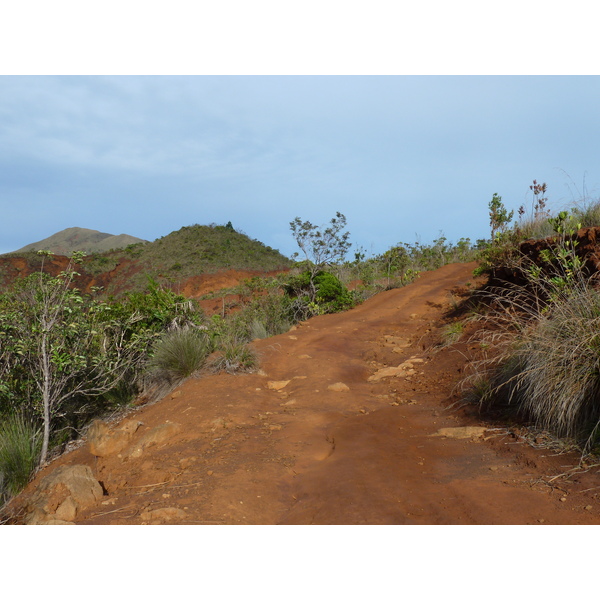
(540,329)
(69,356)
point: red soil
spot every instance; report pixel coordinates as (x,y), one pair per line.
(368,454)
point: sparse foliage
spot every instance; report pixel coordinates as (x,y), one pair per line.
(500,218)
(322,246)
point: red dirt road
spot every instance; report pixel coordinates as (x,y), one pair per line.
(252,449)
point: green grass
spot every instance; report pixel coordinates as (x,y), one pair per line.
(544,360)
(452,332)
(179,354)
(20,446)
(234,355)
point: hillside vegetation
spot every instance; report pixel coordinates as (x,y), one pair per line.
(537,323)
(71,352)
(170,260)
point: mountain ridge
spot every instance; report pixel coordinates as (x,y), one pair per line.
(189,254)
(76,239)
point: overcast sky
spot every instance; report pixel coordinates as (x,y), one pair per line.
(403,157)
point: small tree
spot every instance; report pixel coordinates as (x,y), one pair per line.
(500,218)
(321,246)
(67,345)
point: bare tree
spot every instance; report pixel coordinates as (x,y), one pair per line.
(69,347)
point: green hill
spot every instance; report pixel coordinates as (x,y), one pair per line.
(170,260)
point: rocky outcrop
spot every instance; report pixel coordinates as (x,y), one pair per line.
(62,494)
(103,441)
(156,435)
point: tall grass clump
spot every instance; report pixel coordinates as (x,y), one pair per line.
(234,355)
(179,353)
(558,379)
(587,212)
(20,447)
(546,357)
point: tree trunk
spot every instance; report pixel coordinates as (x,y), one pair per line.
(45,358)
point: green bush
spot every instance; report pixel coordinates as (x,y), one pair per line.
(233,355)
(179,353)
(20,447)
(323,289)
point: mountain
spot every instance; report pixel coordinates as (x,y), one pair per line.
(75,239)
(183,259)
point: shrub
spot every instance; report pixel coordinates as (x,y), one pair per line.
(258,330)
(20,447)
(547,358)
(179,353)
(234,355)
(318,293)
(558,362)
(266,316)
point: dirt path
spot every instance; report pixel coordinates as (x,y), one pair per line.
(325,435)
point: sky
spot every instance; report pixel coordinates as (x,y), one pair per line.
(405,158)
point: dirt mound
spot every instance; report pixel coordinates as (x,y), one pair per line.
(586,244)
(314,438)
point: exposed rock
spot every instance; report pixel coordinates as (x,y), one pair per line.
(103,441)
(157,435)
(460,433)
(338,387)
(277,385)
(164,514)
(396,342)
(402,370)
(61,495)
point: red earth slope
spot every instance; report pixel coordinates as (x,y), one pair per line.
(324,435)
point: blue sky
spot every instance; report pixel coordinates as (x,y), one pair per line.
(403,157)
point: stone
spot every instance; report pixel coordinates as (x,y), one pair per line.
(157,435)
(164,514)
(277,385)
(460,433)
(338,387)
(402,370)
(62,494)
(103,441)
(397,342)
(67,511)
(387,372)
